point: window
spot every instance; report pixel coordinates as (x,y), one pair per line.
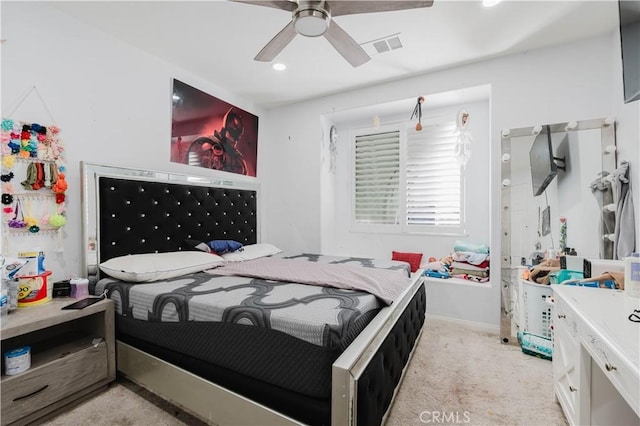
(377,177)
(409,181)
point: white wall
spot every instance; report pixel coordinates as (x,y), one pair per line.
(562,83)
(112,103)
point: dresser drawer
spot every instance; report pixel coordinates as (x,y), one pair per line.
(566,370)
(622,375)
(565,318)
(48,382)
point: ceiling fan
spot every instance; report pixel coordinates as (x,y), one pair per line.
(314,18)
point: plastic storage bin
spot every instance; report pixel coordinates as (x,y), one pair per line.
(562,275)
(536,311)
(535,345)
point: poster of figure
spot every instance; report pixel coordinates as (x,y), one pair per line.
(209,132)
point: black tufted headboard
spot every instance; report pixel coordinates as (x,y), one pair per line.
(139,216)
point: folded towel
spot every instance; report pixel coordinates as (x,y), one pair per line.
(470,247)
(470,257)
(459,271)
(468,266)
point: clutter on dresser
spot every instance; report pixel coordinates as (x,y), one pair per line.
(574,270)
(33,289)
(632,275)
(25,280)
(62,288)
(9,268)
(79,288)
(34,262)
(535,293)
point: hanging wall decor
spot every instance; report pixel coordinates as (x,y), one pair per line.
(463,146)
(208,132)
(417,112)
(33,177)
(333,148)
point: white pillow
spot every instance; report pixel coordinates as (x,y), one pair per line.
(140,268)
(251,251)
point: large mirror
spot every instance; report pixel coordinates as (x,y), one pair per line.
(557,198)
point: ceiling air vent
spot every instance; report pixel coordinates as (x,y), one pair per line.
(384,44)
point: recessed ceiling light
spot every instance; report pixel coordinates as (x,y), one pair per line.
(279,67)
(490,3)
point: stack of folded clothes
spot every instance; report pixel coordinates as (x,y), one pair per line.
(470,261)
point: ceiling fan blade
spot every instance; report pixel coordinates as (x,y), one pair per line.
(275,46)
(345,45)
(351,7)
(287,5)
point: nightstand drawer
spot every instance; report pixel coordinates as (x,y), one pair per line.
(76,366)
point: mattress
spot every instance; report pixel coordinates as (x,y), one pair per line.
(282,333)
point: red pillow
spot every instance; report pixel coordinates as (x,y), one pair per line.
(413,259)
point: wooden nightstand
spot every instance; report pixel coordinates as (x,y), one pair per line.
(72,357)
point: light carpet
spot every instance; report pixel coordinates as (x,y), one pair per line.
(459,374)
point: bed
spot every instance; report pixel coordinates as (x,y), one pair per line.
(342,366)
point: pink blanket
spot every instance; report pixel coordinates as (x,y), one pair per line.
(386,284)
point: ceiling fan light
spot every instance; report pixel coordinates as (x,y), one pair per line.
(311,22)
(490,3)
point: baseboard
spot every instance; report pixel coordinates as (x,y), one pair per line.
(470,324)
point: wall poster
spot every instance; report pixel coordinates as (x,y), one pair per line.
(211,133)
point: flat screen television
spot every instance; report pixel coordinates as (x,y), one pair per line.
(543,167)
(629,12)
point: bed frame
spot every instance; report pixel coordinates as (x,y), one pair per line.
(123,210)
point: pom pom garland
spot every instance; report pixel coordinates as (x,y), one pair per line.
(30,221)
(8,161)
(32,141)
(7,188)
(57,220)
(16,223)
(61,184)
(7,199)
(36,140)
(7,124)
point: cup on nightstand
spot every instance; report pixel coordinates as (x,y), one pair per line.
(79,288)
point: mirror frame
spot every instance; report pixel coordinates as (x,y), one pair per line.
(609,162)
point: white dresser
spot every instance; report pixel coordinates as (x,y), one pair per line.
(596,356)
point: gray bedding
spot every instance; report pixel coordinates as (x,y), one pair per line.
(319,315)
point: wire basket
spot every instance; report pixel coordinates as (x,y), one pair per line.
(536,310)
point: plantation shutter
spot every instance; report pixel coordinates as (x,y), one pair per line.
(434,185)
(377,177)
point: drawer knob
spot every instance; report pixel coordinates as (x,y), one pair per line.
(562,316)
(610,367)
(572,389)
